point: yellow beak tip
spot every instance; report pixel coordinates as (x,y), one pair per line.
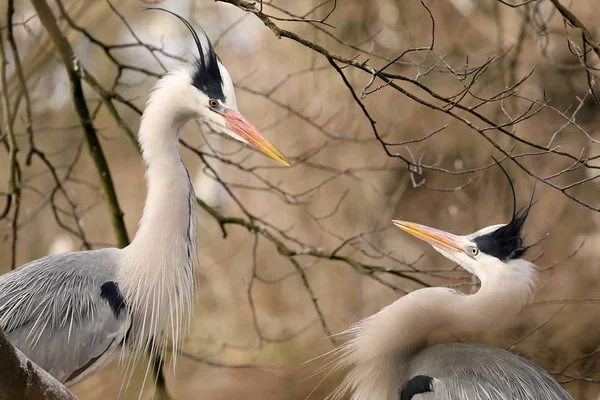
(274,153)
(281,159)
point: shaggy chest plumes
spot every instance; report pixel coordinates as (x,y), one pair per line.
(157,279)
(380,348)
(157,269)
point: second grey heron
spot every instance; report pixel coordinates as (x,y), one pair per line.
(69,312)
(405,351)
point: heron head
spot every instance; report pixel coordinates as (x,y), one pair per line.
(488,247)
(212,97)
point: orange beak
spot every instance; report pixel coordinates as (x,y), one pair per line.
(237,123)
(432,236)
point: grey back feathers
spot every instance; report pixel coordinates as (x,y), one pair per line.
(465,371)
(53,310)
(207,75)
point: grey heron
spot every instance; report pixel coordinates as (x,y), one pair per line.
(406,350)
(70,312)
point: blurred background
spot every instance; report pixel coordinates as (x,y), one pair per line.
(267,303)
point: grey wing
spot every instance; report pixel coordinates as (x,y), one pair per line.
(64,312)
(469,371)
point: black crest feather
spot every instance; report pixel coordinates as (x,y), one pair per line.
(506,242)
(207,76)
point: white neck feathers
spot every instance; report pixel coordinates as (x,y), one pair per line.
(381,346)
(156,273)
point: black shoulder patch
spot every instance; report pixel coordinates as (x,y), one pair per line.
(415,385)
(110,292)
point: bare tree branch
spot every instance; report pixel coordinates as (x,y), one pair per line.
(22,379)
(94,147)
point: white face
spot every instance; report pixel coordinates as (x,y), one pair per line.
(471,259)
(228,89)
(211,110)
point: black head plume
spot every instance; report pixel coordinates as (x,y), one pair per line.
(506,242)
(512,187)
(207,76)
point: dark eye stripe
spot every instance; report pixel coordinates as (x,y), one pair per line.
(504,243)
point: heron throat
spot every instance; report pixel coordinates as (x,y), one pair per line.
(157,270)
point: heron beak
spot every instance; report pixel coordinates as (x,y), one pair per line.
(237,123)
(435,237)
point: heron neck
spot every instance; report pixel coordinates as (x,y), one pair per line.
(156,274)
(382,345)
(503,292)
(168,222)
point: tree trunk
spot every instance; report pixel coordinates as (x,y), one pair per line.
(22,379)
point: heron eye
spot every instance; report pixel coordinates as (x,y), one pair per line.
(213,103)
(474,251)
